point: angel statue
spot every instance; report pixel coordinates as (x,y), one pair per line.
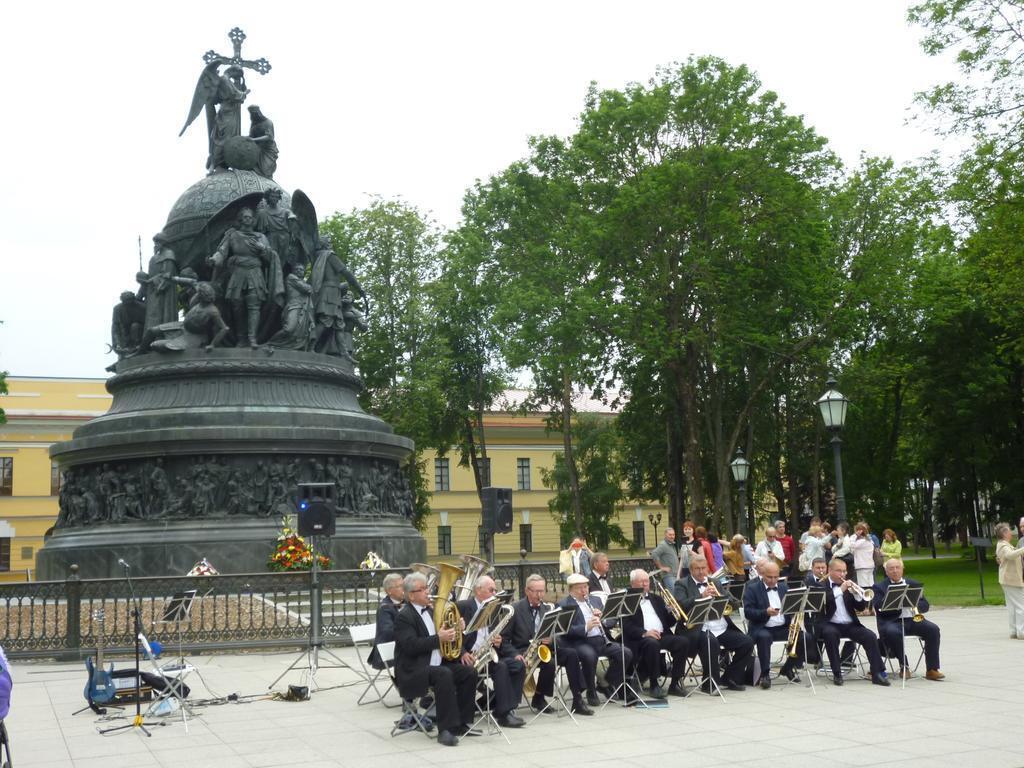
(229,92)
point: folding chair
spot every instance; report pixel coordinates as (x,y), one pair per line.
(410,711)
(363,636)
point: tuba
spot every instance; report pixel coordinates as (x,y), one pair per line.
(472,569)
(446,613)
(430,571)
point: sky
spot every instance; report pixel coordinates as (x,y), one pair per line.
(411,100)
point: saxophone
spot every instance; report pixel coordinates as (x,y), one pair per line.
(536,654)
(485,654)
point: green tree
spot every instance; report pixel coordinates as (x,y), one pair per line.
(713,240)
(552,307)
(600,482)
(393,248)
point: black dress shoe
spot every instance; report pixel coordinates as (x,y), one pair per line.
(880,679)
(448,738)
(790,674)
(837,680)
(658,692)
(676,689)
(766,683)
(511,720)
(706,688)
(579,708)
(734,686)
(592,699)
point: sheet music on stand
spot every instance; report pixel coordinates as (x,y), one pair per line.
(617,608)
(553,625)
(488,610)
(897,598)
(707,609)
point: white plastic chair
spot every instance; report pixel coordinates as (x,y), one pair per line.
(362,637)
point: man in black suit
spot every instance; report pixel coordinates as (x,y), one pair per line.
(762,608)
(598,578)
(520,633)
(507,674)
(840,620)
(419,665)
(709,638)
(648,632)
(588,637)
(889,630)
(816,578)
(387,612)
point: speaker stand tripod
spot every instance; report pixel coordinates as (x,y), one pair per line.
(309,658)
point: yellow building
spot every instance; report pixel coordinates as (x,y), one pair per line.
(42,411)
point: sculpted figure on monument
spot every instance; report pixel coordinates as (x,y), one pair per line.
(346,486)
(203,327)
(296,318)
(158,287)
(250,273)
(278,224)
(127,324)
(259,484)
(328,273)
(278,490)
(159,490)
(261,131)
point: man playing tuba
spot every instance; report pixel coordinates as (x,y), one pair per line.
(419,664)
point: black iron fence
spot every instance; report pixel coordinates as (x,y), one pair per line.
(69,619)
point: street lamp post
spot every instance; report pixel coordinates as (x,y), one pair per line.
(654,520)
(833,405)
(740,472)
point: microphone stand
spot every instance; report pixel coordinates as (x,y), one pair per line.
(137,721)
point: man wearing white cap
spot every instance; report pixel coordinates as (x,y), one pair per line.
(587,636)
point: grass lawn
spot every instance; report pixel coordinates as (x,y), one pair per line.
(954,581)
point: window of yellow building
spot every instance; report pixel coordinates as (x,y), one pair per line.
(7,484)
(522,474)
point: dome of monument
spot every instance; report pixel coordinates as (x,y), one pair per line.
(204,199)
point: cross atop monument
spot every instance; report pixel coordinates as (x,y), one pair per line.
(237,37)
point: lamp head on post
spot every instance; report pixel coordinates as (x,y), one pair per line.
(833,405)
(740,469)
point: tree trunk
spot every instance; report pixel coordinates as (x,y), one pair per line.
(688,388)
(569,454)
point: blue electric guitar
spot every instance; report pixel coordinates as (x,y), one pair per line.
(99,689)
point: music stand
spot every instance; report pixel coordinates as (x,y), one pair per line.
(617,607)
(707,609)
(554,624)
(796,604)
(177,610)
(897,598)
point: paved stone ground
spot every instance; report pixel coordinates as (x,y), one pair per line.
(970,719)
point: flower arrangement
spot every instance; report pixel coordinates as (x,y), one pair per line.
(293,554)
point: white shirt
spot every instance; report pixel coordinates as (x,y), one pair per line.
(651,620)
(603,581)
(775,548)
(588,614)
(717,626)
(774,601)
(428,622)
(841,616)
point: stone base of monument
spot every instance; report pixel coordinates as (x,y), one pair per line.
(201,455)
(231,546)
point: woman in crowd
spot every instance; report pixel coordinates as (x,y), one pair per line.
(1011,578)
(891,546)
(717,561)
(812,547)
(863,555)
(737,563)
(701,545)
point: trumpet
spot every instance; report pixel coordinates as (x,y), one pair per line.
(721,578)
(862,594)
(659,589)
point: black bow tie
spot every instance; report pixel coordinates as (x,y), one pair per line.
(772,589)
(425,609)
(702,583)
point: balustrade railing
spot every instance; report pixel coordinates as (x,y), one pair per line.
(69,619)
